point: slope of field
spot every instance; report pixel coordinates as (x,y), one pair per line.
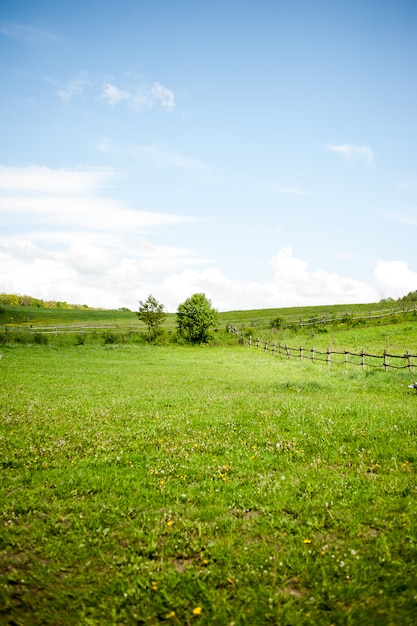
(375,327)
(261,318)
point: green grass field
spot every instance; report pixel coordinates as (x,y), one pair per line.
(144,484)
(198,485)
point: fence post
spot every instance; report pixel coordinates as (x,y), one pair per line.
(274,347)
(258,341)
(280,349)
(266,346)
(312,354)
(250,341)
(346,358)
(301,353)
(328,356)
(301,322)
(363,358)
(407,354)
(288,351)
(385,361)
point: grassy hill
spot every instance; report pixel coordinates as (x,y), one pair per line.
(260,318)
(378,326)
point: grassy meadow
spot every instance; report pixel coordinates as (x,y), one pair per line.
(174,484)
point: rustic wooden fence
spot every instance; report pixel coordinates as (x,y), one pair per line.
(71,328)
(337,357)
(322,320)
(345,318)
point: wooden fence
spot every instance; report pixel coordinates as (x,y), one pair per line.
(71,328)
(345,357)
(345,318)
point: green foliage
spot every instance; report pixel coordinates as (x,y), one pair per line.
(151,312)
(80,340)
(195,317)
(110,337)
(278,322)
(410,297)
(12,299)
(40,339)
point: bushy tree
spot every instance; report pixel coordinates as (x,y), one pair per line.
(195,317)
(151,312)
(410,297)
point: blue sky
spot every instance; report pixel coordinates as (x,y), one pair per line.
(263,153)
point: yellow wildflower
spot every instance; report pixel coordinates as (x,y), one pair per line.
(197,610)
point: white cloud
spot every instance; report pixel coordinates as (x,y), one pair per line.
(73,88)
(294,191)
(284,189)
(26,32)
(104,145)
(76,245)
(114,272)
(292,284)
(24,251)
(83,212)
(144,97)
(395,278)
(69,198)
(37,179)
(165,156)
(114,95)
(402,219)
(352,153)
(163,95)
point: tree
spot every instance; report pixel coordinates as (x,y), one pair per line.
(194,318)
(151,312)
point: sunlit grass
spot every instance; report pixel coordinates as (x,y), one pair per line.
(198,485)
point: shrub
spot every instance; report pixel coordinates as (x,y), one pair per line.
(109,337)
(80,340)
(278,322)
(40,339)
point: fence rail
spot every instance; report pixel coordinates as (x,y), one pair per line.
(55,329)
(324,319)
(363,359)
(347,317)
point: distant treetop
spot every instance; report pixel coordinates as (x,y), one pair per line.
(410,297)
(12,299)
